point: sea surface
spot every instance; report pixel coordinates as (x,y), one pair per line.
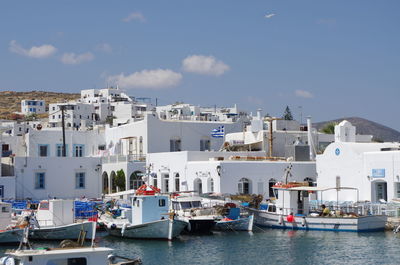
(267,246)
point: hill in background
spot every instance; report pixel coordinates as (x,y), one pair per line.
(10,101)
(364,126)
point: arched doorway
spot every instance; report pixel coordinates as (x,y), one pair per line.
(112,180)
(271,183)
(104,183)
(135,180)
(198,185)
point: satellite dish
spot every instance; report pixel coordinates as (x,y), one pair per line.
(39,127)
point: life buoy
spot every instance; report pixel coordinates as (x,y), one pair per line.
(290,218)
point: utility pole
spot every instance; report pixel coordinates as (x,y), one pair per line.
(270,137)
(62,107)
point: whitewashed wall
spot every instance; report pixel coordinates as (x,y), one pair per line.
(59,177)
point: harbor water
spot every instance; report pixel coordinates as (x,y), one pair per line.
(270,246)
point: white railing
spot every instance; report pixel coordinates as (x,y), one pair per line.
(366,208)
(123,158)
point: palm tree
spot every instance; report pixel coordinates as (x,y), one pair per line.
(329,128)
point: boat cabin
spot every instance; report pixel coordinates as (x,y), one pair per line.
(149,208)
(55,213)
(48,256)
(296,199)
(292,200)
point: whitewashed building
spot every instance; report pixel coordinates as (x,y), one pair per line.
(7,179)
(223,172)
(40,170)
(77,115)
(184,111)
(372,168)
(285,133)
(33,106)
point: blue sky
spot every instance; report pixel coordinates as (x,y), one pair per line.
(332,58)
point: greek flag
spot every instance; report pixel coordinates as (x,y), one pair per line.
(219,132)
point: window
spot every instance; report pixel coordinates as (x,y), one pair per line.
(62,261)
(161,202)
(5,209)
(244,186)
(43,150)
(135,180)
(155,181)
(80,180)
(175,145)
(397,185)
(165,177)
(177,183)
(204,145)
(311,182)
(39,180)
(211,185)
(59,150)
(79,150)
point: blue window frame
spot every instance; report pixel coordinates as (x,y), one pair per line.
(40,180)
(78,150)
(80,179)
(43,150)
(59,149)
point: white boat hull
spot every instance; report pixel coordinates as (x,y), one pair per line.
(152,230)
(241,224)
(351,224)
(70,231)
(11,236)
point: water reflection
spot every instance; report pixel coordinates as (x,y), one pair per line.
(266,246)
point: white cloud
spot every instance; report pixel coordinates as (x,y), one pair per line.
(303,94)
(149,79)
(38,52)
(269,15)
(104,47)
(206,65)
(72,58)
(135,16)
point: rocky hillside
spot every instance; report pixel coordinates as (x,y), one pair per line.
(10,101)
(364,126)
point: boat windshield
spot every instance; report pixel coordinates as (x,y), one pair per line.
(188,205)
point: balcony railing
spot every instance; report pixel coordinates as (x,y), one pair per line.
(123,158)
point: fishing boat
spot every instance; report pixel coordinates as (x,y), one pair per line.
(189,208)
(291,210)
(234,221)
(54,220)
(150,217)
(67,254)
(8,235)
